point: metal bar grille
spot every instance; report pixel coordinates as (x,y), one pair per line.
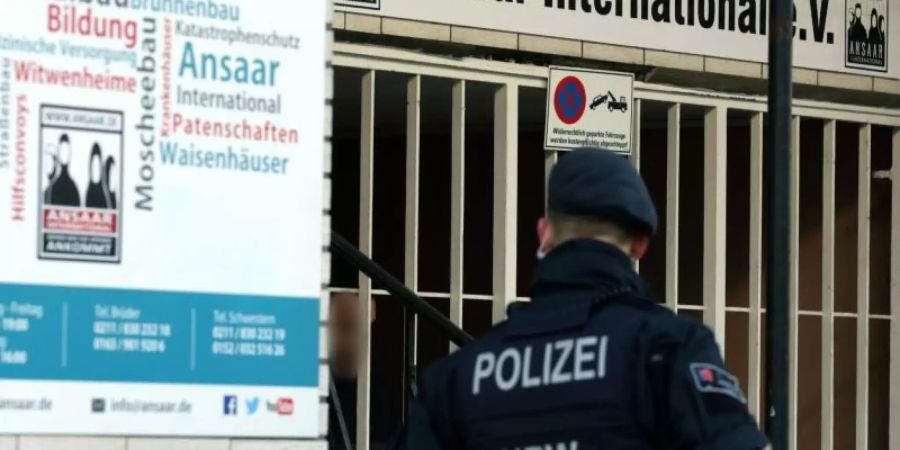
(413,141)
(411,226)
(366,175)
(894,407)
(635,156)
(755,349)
(714,202)
(673,178)
(794,282)
(862,285)
(829,162)
(506,144)
(370,57)
(457,200)
(550,158)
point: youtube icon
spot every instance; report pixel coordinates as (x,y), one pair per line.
(285,406)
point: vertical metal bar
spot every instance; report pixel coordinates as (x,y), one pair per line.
(778,229)
(829,161)
(635,155)
(550,158)
(755,277)
(411,230)
(862,287)
(410,360)
(366,177)
(894,408)
(413,142)
(457,202)
(636,150)
(714,203)
(673,180)
(506,146)
(794,282)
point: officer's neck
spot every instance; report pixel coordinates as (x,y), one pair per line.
(623,246)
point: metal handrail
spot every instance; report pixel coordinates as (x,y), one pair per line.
(341,247)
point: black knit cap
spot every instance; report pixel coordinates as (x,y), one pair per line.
(598,183)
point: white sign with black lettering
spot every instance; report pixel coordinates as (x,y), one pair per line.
(851,36)
(589,108)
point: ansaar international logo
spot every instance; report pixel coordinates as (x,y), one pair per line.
(80,184)
(867,34)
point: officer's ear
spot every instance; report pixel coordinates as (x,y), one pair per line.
(545,235)
(639,246)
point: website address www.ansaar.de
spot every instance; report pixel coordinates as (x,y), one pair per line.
(25,404)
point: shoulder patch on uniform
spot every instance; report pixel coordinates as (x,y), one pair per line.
(712,379)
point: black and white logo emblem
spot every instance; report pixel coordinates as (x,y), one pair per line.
(867,34)
(80,186)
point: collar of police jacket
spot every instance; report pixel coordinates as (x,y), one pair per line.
(584,268)
(574,280)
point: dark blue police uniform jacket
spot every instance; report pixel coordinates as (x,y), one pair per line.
(589,364)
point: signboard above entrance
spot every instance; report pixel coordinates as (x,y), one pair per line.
(851,36)
(587,108)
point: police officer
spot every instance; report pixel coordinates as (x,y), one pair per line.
(591,363)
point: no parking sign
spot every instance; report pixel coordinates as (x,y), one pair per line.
(569,100)
(589,108)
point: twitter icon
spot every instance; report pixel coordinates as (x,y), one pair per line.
(252,405)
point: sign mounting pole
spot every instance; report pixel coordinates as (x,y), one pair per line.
(778,202)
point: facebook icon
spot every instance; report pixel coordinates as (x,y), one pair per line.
(230,405)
